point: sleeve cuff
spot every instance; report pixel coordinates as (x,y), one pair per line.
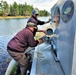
(37,42)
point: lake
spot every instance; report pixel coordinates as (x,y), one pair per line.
(8,28)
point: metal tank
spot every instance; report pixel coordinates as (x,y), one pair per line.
(65,14)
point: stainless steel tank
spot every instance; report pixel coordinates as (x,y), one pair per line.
(66,31)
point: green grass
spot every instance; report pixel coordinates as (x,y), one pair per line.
(10,17)
(13,70)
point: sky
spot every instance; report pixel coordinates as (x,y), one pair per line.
(40,4)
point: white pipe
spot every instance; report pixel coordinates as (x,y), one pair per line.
(33,69)
(10,67)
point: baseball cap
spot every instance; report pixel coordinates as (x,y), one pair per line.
(30,24)
(35,11)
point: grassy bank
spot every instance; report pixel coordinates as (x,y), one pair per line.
(10,17)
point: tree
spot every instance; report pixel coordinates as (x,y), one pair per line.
(43,13)
(28,10)
(11,10)
(18,9)
(22,9)
(15,10)
(5,8)
(1,8)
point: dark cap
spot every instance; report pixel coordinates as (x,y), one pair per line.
(35,11)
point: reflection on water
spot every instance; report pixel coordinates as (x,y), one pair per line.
(4,57)
(11,26)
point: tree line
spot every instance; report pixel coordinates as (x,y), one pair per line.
(18,9)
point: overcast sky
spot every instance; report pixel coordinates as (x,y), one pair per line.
(40,4)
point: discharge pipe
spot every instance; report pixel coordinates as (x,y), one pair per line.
(10,67)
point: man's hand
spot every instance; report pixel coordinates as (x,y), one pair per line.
(40,41)
(45,32)
(48,21)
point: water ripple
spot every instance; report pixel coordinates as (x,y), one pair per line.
(4,56)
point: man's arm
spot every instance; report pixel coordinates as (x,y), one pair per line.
(32,42)
(43,22)
(48,21)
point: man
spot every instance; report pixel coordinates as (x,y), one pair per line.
(20,42)
(34,20)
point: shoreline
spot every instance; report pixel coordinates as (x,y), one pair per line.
(13,17)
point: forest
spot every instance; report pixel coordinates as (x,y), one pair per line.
(18,9)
